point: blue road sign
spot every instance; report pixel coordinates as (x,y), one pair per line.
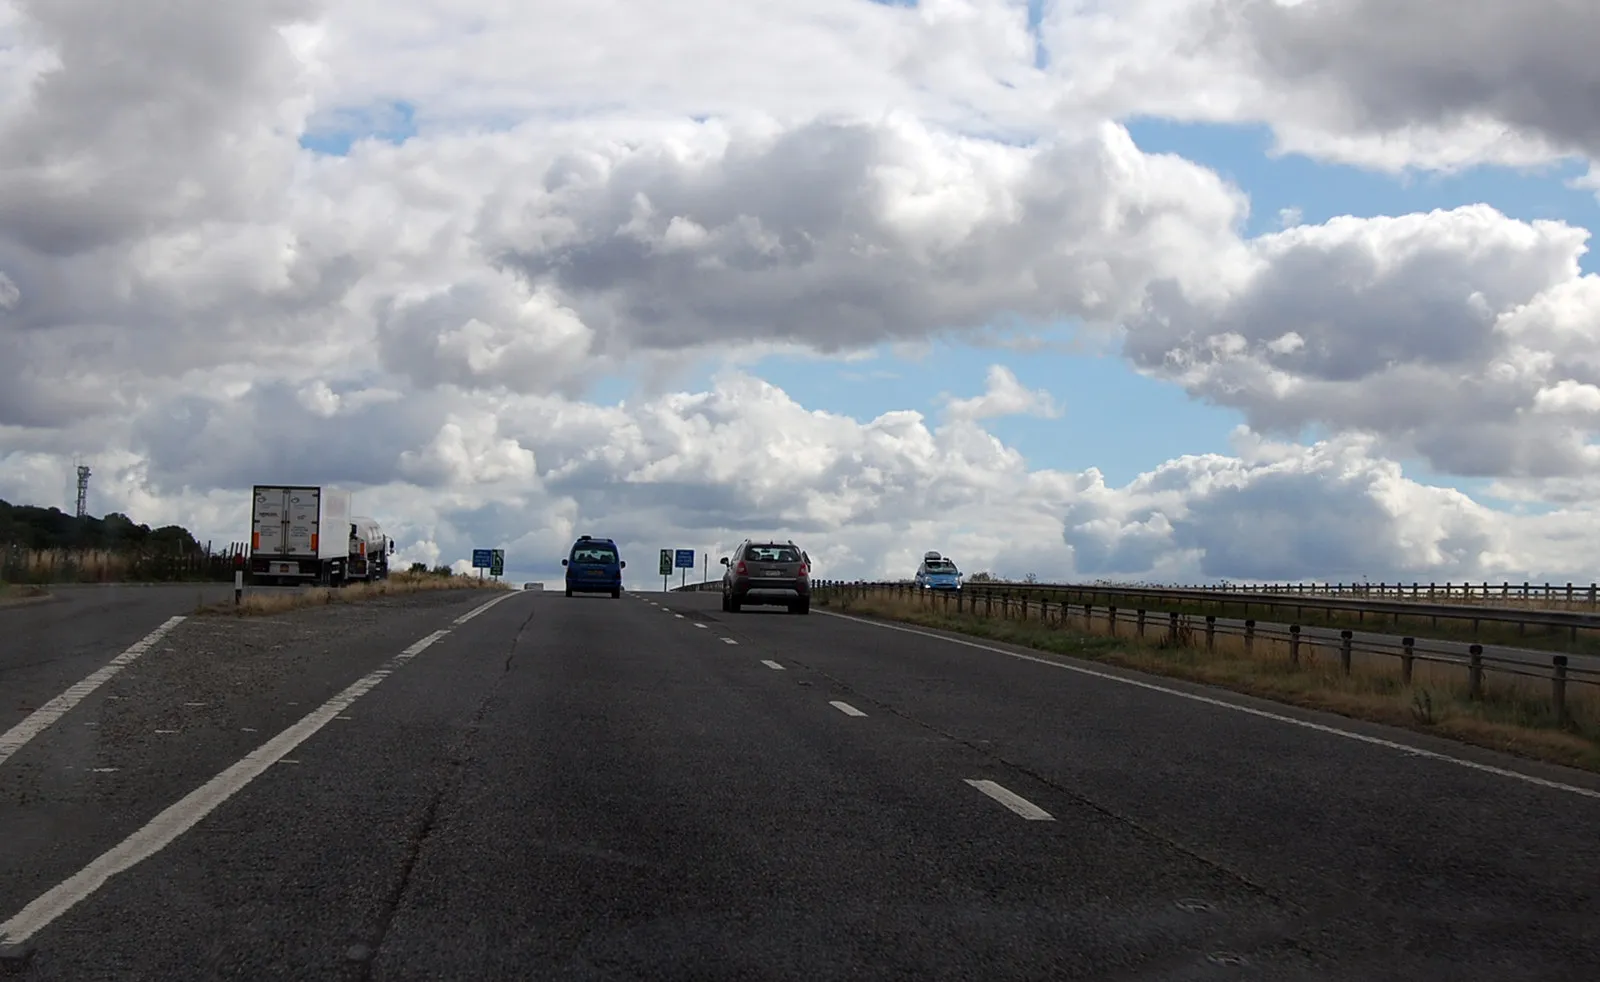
(482,558)
(685,559)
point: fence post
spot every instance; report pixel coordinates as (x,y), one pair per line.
(1140,622)
(1344,650)
(988,604)
(1088,618)
(1172,627)
(1294,645)
(1211,632)
(1113,612)
(1558,687)
(1249,637)
(1407,654)
(961,599)
(238,587)
(1475,672)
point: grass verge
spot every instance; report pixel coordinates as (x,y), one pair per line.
(19,593)
(1514,716)
(279,601)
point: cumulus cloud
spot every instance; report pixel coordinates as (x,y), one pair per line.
(1003,396)
(1423,83)
(1436,331)
(702,469)
(198,303)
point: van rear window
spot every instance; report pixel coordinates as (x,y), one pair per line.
(772,554)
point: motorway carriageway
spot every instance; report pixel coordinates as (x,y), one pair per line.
(525,786)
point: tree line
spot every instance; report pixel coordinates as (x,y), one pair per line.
(32,527)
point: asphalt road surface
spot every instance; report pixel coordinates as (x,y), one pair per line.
(428,788)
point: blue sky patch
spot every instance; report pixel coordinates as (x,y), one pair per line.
(334,135)
(1320,191)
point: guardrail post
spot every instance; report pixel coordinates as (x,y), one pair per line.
(1558,687)
(1211,632)
(1408,653)
(1249,637)
(1172,627)
(1475,672)
(1344,650)
(1140,622)
(1113,612)
(1088,618)
(1294,645)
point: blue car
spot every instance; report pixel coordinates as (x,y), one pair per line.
(594,567)
(938,573)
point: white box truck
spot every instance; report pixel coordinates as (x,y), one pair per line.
(299,534)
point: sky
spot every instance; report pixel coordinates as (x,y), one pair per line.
(1154,290)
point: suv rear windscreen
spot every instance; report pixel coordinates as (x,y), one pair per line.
(594,554)
(772,554)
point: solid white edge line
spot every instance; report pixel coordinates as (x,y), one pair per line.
(474,612)
(1013,801)
(40,719)
(846,708)
(1247,710)
(178,818)
(772,665)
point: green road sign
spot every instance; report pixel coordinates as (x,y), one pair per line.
(666,562)
(497,563)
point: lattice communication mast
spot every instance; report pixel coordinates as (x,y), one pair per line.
(83,490)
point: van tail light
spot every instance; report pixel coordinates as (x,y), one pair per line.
(741,569)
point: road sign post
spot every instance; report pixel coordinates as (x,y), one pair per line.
(666,568)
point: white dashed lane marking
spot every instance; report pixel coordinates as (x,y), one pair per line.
(729,641)
(846,708)
(772,665)
(1013,801)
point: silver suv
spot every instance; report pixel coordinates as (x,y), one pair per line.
(773,573)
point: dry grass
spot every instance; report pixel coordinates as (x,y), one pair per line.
(279,601)
(1515,715)
(75,565)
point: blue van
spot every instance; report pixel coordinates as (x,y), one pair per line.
(594,567)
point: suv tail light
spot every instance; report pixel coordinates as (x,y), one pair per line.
(805,570)
(741,569)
